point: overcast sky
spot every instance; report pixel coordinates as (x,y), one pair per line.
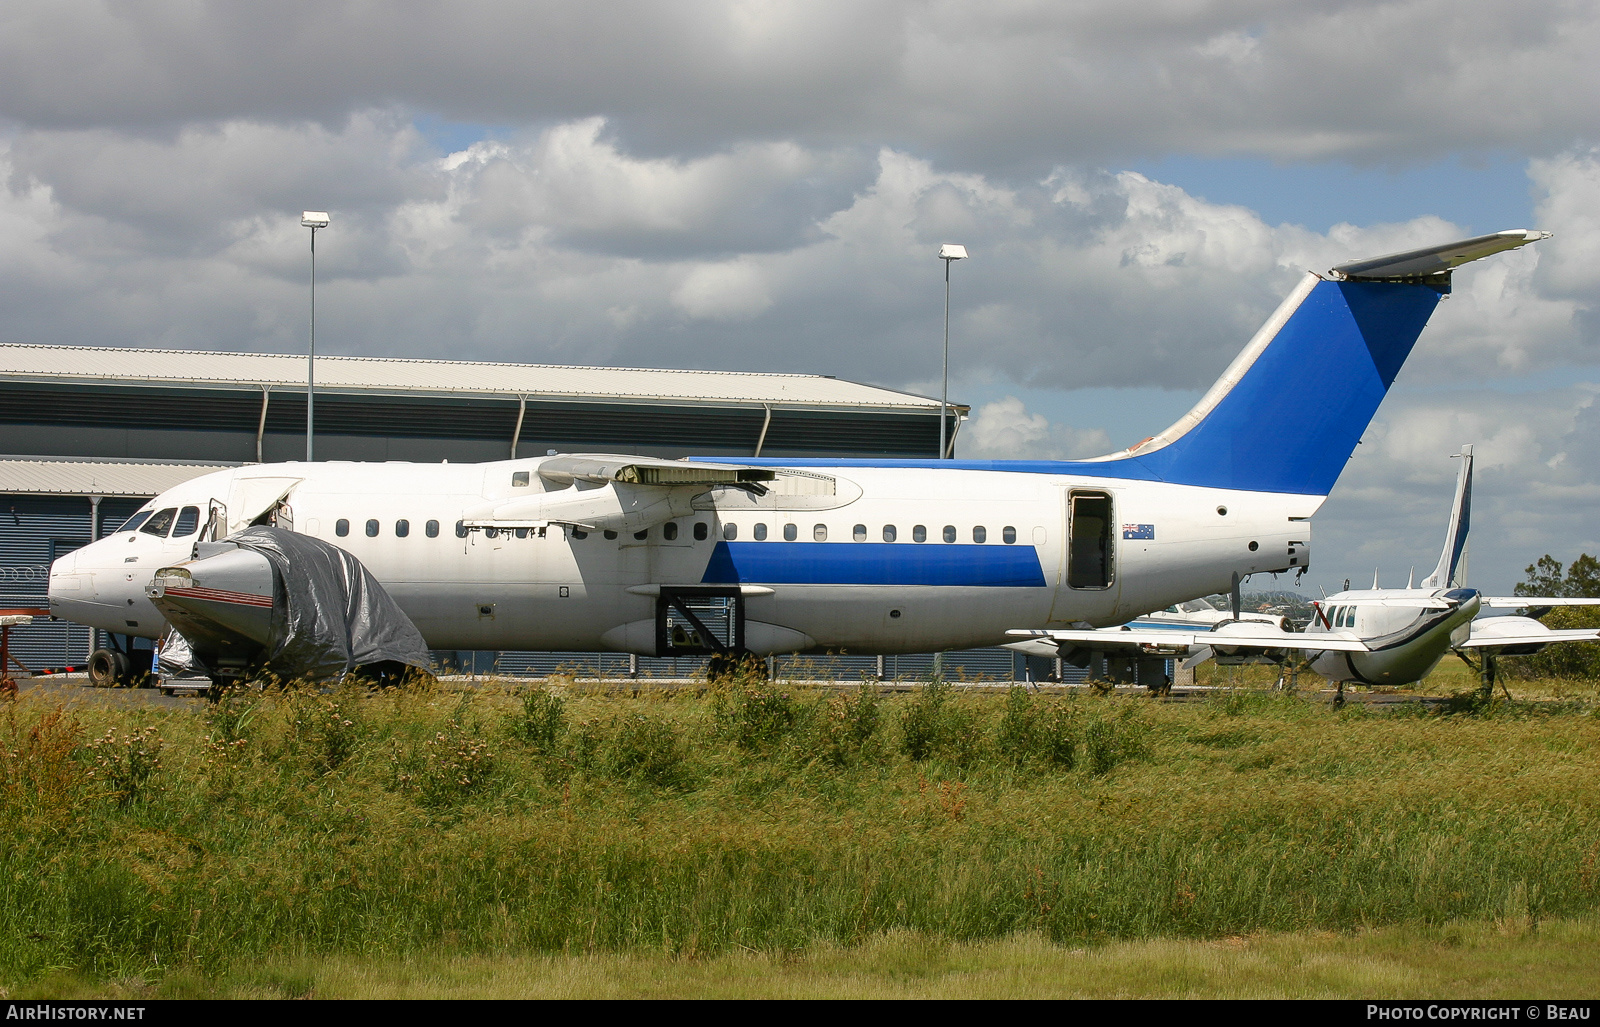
(764,185)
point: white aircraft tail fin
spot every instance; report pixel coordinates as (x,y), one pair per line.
(1452,570)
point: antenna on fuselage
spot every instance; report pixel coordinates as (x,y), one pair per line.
(1411,578)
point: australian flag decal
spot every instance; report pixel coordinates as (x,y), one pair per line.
(1145,531)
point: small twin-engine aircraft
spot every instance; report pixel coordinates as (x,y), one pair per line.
(1376,636)
(727,558)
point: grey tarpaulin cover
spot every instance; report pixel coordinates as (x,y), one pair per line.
(334,615)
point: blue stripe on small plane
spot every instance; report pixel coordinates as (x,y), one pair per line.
(874,563)
(1288,425)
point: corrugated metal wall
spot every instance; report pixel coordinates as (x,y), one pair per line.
(34,530)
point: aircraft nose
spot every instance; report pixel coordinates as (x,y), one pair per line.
(67,583)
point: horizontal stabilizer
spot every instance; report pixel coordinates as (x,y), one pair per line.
(1410,265)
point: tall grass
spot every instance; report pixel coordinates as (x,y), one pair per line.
(765,817)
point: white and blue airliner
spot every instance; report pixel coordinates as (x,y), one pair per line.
(664,557)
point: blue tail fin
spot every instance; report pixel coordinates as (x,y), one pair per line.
(1289,411)
(1289,418)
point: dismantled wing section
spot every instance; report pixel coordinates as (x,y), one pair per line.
(1431,261)
(604,468)
(1239,635)
(601,492)
(271,599)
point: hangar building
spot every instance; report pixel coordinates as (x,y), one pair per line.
(90,433)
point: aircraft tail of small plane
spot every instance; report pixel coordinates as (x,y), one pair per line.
(1451,572)
(1288,412)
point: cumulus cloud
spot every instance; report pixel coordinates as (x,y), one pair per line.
(1005,430)
(986,86)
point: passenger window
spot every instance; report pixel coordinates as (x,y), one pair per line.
(919,533)
(611,536)
(491,532)
(372,529)
(579,534)
(132,523)
(461,528)
(402,528)
(888,533)
(790,532)
(522,533)
(669,531)
(161,523)
(432,528)
(980,534)
(341,527)
(761,532)
(819,533)
(1008,535)
(859,533)
(642,535)
(730,531)
(519,479)
(949,532)
(700,531)
(188,522)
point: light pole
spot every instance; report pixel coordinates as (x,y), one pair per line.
(314,219)
(948,253)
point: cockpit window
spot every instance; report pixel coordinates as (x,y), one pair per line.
(161,523)
(132,523)
(188,522)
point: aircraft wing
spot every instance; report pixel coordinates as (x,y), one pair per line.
(1239,635)
(1520,632)
(603,468)
(1528,602)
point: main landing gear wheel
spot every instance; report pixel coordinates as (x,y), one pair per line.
(109,669)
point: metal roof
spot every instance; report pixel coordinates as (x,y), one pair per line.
(96,478)
(207,369)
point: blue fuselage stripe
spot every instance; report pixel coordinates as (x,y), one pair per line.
(874,563)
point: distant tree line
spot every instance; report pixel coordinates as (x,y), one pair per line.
(1581,581)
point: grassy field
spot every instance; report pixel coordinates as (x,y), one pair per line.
(564,842)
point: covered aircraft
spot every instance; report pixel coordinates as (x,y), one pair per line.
(1376,636)
(664,558)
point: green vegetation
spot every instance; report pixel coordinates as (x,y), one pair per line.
(279,833)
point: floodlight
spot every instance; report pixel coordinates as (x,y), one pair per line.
(319,219)
(949,251)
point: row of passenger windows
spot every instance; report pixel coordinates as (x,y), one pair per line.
(700,531)
(889,533)
(402,528)
(1343,617)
